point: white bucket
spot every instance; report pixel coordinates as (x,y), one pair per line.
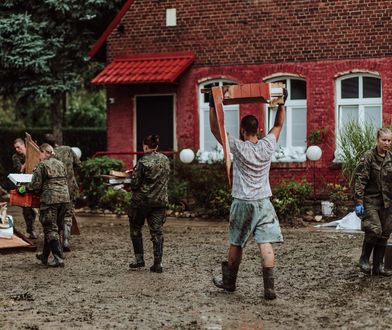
(327,208)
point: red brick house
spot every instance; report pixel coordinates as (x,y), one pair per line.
(334,56)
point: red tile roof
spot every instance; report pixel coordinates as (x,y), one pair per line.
(145,68)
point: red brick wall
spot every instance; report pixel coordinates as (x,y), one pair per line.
(258,31)
(320,77)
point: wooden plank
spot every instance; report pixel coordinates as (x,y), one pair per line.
(119,174)
(217,94)
(74,228)
(32,154)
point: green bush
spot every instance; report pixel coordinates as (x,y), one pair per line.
(115,200)
(92,184)
(354,140)
(289,196)
(205,185)
(220,203)
(339,196)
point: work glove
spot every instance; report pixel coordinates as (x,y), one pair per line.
(212,102)
(359,209)
(21,190)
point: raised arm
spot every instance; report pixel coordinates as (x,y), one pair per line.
(279,118)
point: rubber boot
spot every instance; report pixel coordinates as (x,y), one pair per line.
(58,259)
(378,261)
(158,251)
(228,279)
(364,263)
(66,238)
(137,243)
(268,278)
(43,257)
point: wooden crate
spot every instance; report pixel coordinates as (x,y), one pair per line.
(26,200)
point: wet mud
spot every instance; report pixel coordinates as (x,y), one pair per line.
(317,282)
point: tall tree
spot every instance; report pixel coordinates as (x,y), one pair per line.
(44,45)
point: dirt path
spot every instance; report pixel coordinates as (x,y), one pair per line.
(318,284)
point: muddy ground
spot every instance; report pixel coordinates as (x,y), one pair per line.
(317,282)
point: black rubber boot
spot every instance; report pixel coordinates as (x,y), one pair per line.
(58,259)
(43,257)
(66,238)
(364,263)
(137,243)
(268,278)
(158,251)
(228,279)
(378,261)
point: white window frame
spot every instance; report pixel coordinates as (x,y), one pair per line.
(286,153)
(204,109)
(359,102)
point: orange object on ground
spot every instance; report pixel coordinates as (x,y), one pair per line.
(26,200)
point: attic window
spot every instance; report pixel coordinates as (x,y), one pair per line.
(171,17)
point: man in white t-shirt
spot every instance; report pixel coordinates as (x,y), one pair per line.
(251,212)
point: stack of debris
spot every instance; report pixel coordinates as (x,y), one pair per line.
(10,238)
(118,179)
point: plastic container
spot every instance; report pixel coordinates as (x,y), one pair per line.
(26,200)
(327,208)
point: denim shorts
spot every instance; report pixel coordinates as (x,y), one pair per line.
(257,218)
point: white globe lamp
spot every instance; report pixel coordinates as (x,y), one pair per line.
(187,156)
(314,153)
(77,152)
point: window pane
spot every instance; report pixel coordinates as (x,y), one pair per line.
(371,87)
(232,122)
(298,89)
(350,88)
(210,142)
(373,116)
(299,127)
(347,114)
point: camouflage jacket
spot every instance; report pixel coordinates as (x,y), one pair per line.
(72,163)
(373,179)
(17,161)
(50,181)
(149,180)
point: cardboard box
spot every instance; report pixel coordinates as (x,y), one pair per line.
(26,200)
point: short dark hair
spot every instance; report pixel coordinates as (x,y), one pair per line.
(152,141)
(250,124)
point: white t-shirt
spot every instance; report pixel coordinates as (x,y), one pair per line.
(251,164)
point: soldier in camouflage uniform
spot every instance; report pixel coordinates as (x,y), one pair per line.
(149,200)
(373,195)
(72,164)
(50,181)
(18,161)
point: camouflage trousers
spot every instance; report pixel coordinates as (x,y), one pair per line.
(29,217)
(377,224)
(156,217)
(52,219)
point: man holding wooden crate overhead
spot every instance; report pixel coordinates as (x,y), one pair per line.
(251,212)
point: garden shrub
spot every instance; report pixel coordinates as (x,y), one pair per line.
(289,196)
(354,140)
(92,184)
(339,196)
(115,200)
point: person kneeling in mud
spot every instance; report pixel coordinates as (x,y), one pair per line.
(50,181)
